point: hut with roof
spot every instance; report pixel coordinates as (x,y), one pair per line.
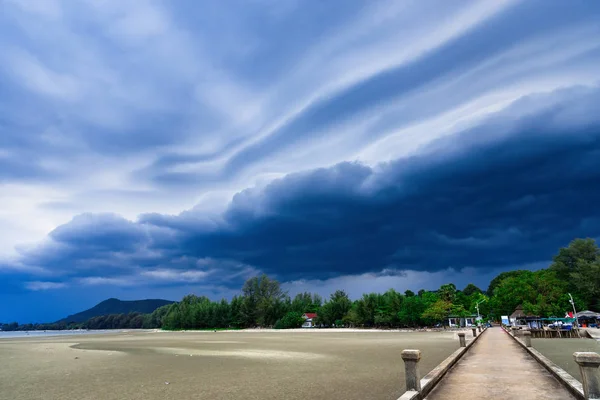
(309,320)
(588,318)
(520,317)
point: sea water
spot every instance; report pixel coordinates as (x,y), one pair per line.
(24,334)
(560,351)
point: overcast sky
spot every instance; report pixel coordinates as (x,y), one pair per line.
(150,149)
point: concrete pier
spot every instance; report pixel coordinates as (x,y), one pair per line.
(496,367)
(594,333)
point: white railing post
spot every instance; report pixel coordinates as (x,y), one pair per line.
(590,374)
(411,360)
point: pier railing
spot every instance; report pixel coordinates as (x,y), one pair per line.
(416,387)
(589,366)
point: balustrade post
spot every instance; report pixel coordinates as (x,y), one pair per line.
(411,360)
(590,374)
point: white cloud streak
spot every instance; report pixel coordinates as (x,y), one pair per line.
(39,285)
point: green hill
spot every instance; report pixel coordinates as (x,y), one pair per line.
(116,306)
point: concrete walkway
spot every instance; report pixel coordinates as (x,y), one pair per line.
(496,367)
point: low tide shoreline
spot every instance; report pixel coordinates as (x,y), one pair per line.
(224,365)
(37,334)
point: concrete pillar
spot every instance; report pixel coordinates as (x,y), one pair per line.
(474,332)
(479,327)
(527,337)
(461,339)
(411,360)
(590,374)
(513,330)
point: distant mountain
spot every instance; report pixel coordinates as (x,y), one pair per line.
(116,306)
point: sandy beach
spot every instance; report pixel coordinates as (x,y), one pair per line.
(260,364)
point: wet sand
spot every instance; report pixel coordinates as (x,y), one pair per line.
(215,365)
(560,351)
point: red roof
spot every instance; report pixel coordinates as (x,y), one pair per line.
(310,315)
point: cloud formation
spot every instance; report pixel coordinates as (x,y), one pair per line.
(188,145)
(505,193)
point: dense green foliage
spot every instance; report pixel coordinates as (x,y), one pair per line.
(579,267)
(334,310)
(110,321)
(262,302)
(292,319)
(14,326)
(115,321)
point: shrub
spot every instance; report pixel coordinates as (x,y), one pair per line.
(290,320)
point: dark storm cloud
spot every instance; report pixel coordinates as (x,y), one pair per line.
(508,198)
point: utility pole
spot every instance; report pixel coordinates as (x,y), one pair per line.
(477,306)
(573,304)
(576,324)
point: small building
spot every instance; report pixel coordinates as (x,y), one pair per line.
(588,318)
(455,321)
(309,320)
(519,317)
(587,314)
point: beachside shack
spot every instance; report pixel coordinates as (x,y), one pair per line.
(309,320)
(588,318)
(533,322)
(519,317)
(456,321)
(516,316)
(554,327)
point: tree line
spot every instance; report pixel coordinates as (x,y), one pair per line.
(263,303)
